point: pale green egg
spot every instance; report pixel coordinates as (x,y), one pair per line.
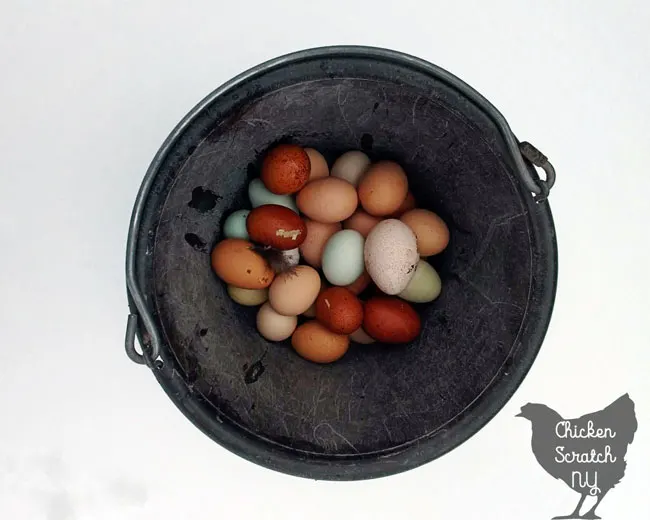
(343,257)
(425,286)
(259,196)
(235,225)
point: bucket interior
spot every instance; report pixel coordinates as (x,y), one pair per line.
(377,398)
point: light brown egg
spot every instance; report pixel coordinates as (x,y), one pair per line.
(293,292)
(317,343)
(274,326)
(236,264)
(362,222)
(328,199)
(319,167)
(318,233)
(383,188)
(431,232)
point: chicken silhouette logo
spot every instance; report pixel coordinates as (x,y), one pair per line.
(587,453)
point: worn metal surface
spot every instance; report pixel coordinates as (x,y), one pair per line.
(381,409)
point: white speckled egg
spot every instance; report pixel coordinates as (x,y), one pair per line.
(235,225)
(343,257)
(259,195)
(391,255)
(425,285)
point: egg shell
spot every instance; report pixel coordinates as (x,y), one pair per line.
(391,255)
(360,336)
(248,297)
(318,233)
(235,225)
(362,222)
(383,188)
(328,200)
(425,286)
(311,312)
(360,284)
(430,230)
(390,320)
(319,167)
(339,310)
(259,195)
(407,205)
(343,257)
(315,342)
(276,226)
(274,326)
(351,166)
(292,293)
(285,169)
(236,264)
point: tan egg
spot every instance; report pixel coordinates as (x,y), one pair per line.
(316,343)
(360,336)
(274,326)
(431,232)
(383,188)
(362,222)
(293,292)
(237,264)
(319,167)
(407,205)
(248,297)
(318,234)
(328,199)
(311,312)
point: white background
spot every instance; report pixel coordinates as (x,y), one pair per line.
(89,90)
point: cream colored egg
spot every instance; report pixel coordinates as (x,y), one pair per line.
(274,326)
(351,166)
(248,297)
(360,336)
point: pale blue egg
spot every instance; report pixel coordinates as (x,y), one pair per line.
(259,195)
(343,257)
(235,225)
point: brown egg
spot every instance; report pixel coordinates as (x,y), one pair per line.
(362,222)
(431,232)
(276,226)
(407,205)
(328,200)
(315,342)
(285,169)
(236,264)
(293,292)
(339,310)
(318,234)
(360,284)
(390,320)
(319,167)
(383,188)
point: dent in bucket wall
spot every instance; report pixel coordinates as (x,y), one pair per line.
(587,453)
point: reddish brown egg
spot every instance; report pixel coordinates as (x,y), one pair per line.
(285,169)
(276,226)
(360,284)
(390,320)
(339,310)
(317,343)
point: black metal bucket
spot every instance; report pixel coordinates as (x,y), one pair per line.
(380,410)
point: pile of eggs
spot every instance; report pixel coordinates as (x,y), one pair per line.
(315,240)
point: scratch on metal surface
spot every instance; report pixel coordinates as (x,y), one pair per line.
(413,110)
(340,104)
(333,430)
